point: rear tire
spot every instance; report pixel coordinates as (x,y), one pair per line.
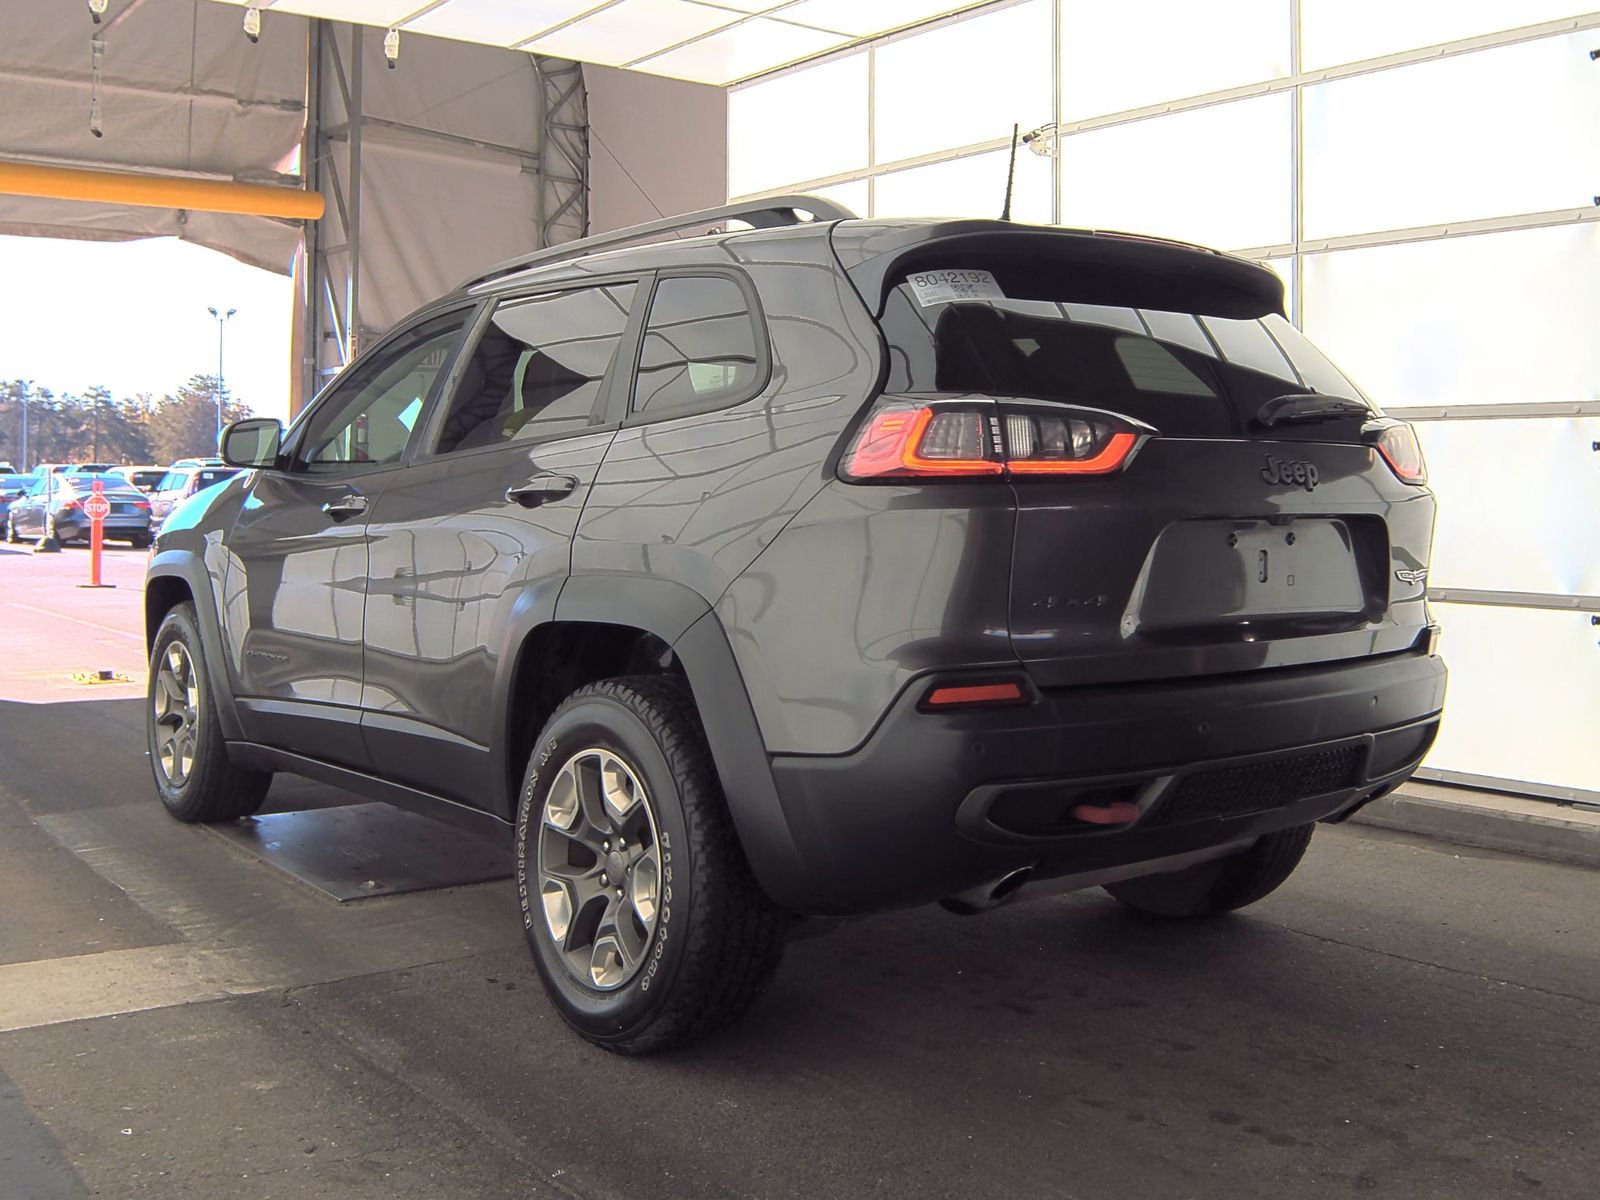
(188,757)
(140,541)
(1212,888)
(712,939)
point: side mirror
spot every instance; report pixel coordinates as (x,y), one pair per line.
(251,443)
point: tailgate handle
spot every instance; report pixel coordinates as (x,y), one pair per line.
(541,488)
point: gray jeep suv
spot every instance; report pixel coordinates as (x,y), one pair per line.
(811,569)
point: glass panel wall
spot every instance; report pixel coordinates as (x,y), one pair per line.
(1478,135)
(1346,31)
(802,126)
(1220,176)
(964,83)
(1468,320)
(1111,63)
(1523,694)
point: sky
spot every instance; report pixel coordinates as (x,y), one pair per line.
(132,316)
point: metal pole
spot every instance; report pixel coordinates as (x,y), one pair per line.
(221,323)
(352,310)
(311,173)
(25,427)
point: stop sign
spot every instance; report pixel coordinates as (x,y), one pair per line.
(97,507)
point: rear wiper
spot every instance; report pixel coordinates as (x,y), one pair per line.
(1307,408)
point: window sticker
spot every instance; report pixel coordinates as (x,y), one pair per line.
(945,287)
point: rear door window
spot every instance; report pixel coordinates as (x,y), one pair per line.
(701,348)
(539,369)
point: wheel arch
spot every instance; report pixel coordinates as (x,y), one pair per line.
(173,578)
(604,626)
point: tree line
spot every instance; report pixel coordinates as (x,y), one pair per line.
(98,427)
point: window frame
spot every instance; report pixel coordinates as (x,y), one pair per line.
(763,346)
(602,417)
(289,456)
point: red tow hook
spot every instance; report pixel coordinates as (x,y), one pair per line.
(1107,814)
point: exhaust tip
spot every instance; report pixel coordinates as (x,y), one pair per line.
(986,896)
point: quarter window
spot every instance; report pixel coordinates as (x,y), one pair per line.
(539,369)
(700,348)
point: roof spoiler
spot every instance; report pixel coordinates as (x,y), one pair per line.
(770,213)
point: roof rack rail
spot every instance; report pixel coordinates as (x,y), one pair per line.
(762,214)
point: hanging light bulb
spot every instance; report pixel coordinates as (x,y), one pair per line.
(252,24)
(391,48)
(97,9)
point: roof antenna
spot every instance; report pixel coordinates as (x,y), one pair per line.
(1011,174)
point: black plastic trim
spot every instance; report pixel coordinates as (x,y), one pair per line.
(256,757)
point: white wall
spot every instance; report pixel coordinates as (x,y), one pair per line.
(657,147)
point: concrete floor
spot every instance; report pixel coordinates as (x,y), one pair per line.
(178,1020)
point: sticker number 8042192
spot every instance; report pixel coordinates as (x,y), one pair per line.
(942,287)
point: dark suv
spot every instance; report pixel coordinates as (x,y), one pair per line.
(810,569)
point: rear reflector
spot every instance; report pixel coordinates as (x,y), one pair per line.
(974,693)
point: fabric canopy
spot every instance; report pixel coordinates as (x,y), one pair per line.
(180,90)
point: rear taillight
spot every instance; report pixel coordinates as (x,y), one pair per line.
(1398,444)
(903,439)
(139,503)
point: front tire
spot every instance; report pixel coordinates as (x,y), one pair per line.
(644,920)
(188,757)
(1223,885)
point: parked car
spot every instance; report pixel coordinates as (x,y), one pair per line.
(146,479)
(179,483)
(7,469)
(53,506)
(12,486)
(813,570)
(200,462)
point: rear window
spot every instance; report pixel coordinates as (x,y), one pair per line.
(1187,374)
(213,475)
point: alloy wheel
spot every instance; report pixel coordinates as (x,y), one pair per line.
(177,714)
(599,868)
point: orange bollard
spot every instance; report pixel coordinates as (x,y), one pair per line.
(97,508)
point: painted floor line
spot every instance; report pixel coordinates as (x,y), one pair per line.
(61,616)
(113,982)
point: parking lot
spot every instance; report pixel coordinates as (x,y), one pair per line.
(178,1019)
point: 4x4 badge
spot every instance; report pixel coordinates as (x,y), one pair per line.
(1406,575)
(1295,471)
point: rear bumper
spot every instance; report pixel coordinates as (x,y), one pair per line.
(935,804)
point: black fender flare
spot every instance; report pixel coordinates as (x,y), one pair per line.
(684,620)
(186,566)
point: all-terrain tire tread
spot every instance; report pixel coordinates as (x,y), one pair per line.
(733,951)
(222,791)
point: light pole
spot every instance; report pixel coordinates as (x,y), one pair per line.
(222,321)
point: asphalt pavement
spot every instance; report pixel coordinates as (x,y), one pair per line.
(177,1019)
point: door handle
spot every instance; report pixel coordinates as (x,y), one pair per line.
(541,488)
(352,505)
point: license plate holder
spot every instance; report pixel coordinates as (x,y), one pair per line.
(1211,572)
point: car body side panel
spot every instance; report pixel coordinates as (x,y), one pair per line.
(696,499)
(451,559)
(868,587)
